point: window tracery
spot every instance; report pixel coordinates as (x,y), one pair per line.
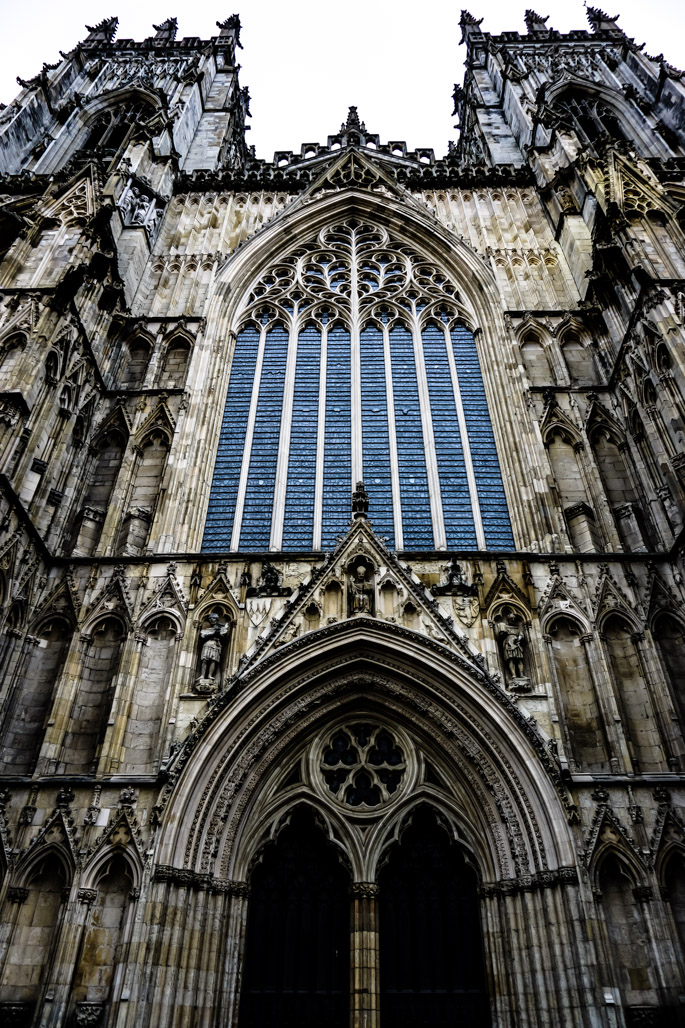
(353,362)
(363,765)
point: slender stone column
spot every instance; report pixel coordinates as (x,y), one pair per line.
(364,979)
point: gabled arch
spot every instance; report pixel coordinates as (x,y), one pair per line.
(364,665)
(615,100)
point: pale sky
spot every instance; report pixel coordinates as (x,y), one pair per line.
(306,61)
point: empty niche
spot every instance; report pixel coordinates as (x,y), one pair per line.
(93,700)
(630,959)
(175,363)
(28,957)
(535,360)
(102,478)
(333,601)
(578,696)
(136,359)
(137,523)
(669,635)
(389,599)
(143,727)
(103,935)
(674,880)
(578,359)
(23,731)
(632,695)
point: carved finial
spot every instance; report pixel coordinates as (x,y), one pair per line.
(103,32)
(468,25)
(360,502)
(352,119)
(600,21)
(534,23)
(231,27)
(167,30)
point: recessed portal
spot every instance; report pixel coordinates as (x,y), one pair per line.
(297,958)
(432,969)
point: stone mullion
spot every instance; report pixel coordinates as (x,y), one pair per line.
(235,919)
(392,441)
(425,407)
(281,482)
(465,442)
(249,436)
(320,443)
(364,957)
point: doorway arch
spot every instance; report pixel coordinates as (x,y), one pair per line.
(432,967)
(297,960)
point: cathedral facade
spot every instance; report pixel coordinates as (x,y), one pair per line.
(341,548)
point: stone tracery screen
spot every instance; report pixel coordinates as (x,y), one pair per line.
(353,362)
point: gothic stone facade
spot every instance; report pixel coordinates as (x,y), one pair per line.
(195,661)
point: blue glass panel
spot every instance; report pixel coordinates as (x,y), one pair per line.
(229,456)
(259,493)
(337,470)
(454,486)
(298,524)
(375,438)
(493,505)
(417,525)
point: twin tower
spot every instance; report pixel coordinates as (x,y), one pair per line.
(341,548)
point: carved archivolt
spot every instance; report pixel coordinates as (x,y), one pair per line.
(233,788)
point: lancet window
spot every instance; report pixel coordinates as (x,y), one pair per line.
(354,361)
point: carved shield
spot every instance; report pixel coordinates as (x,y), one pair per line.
(258,608)
(466,609)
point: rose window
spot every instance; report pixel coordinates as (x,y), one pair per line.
(363,765)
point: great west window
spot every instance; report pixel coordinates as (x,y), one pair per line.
(353,362)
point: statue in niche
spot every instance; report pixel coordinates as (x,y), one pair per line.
(361,591)
(212,639)
(512,641)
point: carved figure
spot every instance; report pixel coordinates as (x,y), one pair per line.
(212,644)
(512,647)
(360,501)
(361,590)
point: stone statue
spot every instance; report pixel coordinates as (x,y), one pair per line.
(361,592)
(212,639)
(513,639)
(360,501)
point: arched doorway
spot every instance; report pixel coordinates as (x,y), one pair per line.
(297,947)
(432,969)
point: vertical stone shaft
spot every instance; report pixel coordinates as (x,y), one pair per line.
(365,994)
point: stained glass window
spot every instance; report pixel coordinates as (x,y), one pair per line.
(353,361)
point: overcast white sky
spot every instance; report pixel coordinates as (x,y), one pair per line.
(305,62)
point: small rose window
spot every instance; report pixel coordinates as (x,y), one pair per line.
(363,765)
